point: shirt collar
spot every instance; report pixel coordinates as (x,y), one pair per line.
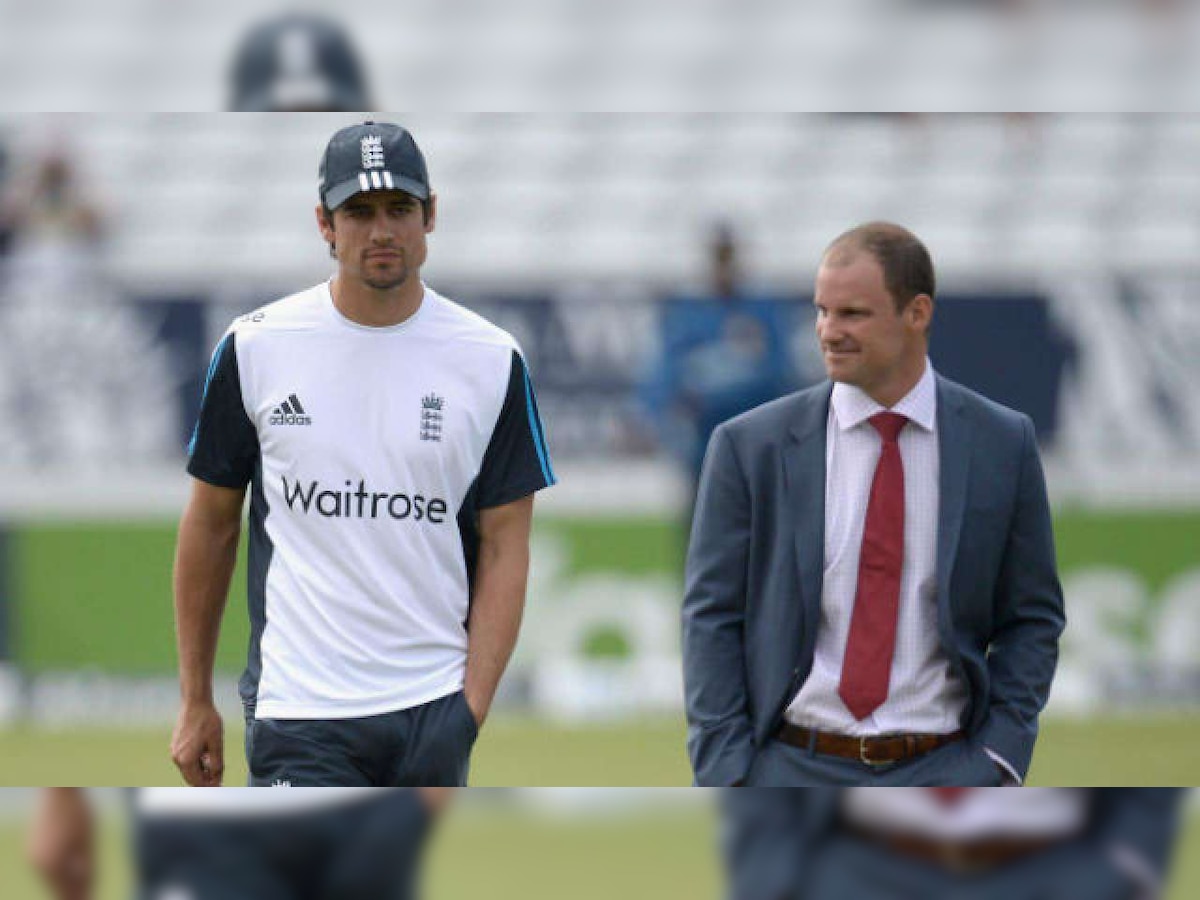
(852,406)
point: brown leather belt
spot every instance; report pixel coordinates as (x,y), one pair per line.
(872,751)
(962,857)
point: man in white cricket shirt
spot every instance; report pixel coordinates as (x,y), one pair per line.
(392,445)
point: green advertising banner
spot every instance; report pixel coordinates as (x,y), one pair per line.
(601,630)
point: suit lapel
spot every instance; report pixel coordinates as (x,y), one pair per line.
(804,474)
(954,451)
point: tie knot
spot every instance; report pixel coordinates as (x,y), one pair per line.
(888,424)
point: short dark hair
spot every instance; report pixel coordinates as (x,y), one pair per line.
(906,263)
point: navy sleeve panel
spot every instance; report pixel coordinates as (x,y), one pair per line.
(224,447)
(517,462)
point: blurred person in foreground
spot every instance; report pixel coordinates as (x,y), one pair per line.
(721,353)
(872,595)
(298,62)
(949,843)
(393,445)
(315,844)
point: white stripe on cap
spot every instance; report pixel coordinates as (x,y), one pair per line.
(387,179)
(364,182)
(376,180)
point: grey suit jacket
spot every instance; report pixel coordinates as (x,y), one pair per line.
(755,567)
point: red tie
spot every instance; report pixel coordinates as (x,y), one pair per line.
(867,666)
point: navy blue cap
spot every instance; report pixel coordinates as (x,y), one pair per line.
(298,61)
(373,156)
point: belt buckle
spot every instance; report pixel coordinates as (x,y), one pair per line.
(865,757)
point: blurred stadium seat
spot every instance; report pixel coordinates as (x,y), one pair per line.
(194,197)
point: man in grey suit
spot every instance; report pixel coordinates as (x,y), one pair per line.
(871,591)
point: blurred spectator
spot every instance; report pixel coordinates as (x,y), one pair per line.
(54,229)
(1001,6)
(82,381)
(1172,9)
(6,229)
(722,353)
(298,62)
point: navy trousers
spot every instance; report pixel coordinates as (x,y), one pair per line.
(428,745)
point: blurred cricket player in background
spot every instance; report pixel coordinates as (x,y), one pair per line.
(298,62)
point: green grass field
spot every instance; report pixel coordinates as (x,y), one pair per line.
(523,752)
(514,856)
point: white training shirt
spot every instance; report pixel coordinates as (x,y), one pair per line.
(370,452)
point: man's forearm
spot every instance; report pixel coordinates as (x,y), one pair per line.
(495,619)
(60,803)
(62,843)
(204,563)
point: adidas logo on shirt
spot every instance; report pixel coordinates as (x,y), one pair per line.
(290,412)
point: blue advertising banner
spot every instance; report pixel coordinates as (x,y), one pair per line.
(1007,348)
(94,387)
(619,374)
(610,366)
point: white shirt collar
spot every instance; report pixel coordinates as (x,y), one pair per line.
(852,406)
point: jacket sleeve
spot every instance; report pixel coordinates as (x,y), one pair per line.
(720,733)
(1029,619)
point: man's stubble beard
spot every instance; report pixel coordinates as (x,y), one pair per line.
(386,284)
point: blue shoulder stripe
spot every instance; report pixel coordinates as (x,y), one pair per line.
(212,370)
(535,427)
